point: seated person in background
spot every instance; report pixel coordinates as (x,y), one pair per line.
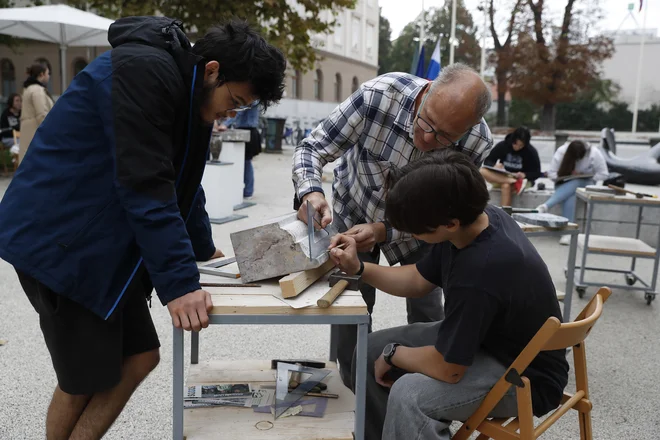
(575,159)
(498,293)
(516,155)
(10,119)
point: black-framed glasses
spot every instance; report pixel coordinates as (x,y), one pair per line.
(237,106)
(426,127)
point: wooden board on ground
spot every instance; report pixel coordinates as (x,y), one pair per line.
(267,300)
(295,283)
(241,423)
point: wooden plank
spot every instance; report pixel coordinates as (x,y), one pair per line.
(526,227)
(621,245)
(584,195)
(239,304)
(293,284)
(244,423)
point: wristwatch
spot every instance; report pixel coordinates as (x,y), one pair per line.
(389,351)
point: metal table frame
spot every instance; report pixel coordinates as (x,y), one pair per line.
(649,291)
(361,321)
(570,269)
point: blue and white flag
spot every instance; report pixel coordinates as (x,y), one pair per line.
(434,64)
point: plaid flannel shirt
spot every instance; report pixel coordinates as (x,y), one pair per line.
(368,134)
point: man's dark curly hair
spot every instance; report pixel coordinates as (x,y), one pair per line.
(244,55)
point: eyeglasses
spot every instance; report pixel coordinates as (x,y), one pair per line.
(237,107)
(441,139)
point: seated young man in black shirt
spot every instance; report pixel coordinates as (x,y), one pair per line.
(498,293)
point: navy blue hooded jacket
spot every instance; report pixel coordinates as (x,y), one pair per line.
(101,202)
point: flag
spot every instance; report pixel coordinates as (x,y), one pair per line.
(434,64)
(415,60)
(420,64)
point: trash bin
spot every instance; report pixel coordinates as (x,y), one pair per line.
(274,135)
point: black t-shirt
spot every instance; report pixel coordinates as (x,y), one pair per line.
(526,160)
(498,293)
(9,120)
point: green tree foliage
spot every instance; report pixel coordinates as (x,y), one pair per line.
(438,24)
(284,25)
(384,43)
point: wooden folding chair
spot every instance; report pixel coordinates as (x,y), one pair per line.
(552,336)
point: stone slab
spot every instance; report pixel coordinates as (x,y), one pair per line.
(274,248)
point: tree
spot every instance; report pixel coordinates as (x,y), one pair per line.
(384,43)
(438,25)
(503,56)
(553,64)
(284,24)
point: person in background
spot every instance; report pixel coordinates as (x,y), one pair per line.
(575,159)
(10,120)
(516,155)
(248,120)
(37,102)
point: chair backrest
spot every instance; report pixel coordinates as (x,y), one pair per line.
(573,333)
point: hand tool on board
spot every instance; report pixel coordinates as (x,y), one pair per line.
(214,268)
(639,195)
(339,281)
(318,240)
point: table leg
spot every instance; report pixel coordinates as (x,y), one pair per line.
(361,381)
(334,335)
(570,277)
(194,347)
(177,389)
(585,250)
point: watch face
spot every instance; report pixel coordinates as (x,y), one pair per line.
(387,351)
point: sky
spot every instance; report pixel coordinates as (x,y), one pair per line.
(400,12)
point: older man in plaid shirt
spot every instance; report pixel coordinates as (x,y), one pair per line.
(388,122)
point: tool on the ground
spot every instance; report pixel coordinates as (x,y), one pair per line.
(285,399)
(544,219)
(303,362)
(214,268)
(318,240)
(203,284)
(639,195)
(339,281)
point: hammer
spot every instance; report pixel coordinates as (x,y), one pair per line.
(339,281)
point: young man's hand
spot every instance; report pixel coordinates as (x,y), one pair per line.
(367,235)
(320,205)
(190,311)
(346,256)
(381,368)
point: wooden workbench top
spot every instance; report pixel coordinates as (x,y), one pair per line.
(267,298)
(627,198)
(535,228)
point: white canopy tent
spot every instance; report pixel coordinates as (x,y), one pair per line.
(58,24)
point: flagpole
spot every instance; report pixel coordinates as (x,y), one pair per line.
(422,30)
(640,64)
(452,39)
(483,42)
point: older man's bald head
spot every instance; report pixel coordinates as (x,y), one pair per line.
(462,87)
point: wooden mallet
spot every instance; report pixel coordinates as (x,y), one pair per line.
(339,281)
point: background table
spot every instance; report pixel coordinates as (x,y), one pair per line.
(260,305)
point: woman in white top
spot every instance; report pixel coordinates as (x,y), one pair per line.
(575,159)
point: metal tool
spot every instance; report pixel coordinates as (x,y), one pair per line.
(544,219)
(212,268)
(339,281)
(639,195)
(318,239)
(285,399)
(203,284)
(340,246)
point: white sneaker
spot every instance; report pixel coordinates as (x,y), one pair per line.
(542,208)
(565,240)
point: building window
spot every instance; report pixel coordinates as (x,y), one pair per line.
(355,34)
(339,29)
(8,73)
(355,85)
(338,94)
(318,85)
(371,32)
(296,85)
(79,65)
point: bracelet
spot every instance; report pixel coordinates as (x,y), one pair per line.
(359,272)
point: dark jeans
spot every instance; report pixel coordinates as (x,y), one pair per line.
(248,179)
(425,309)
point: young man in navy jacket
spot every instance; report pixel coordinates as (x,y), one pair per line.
(107,205)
